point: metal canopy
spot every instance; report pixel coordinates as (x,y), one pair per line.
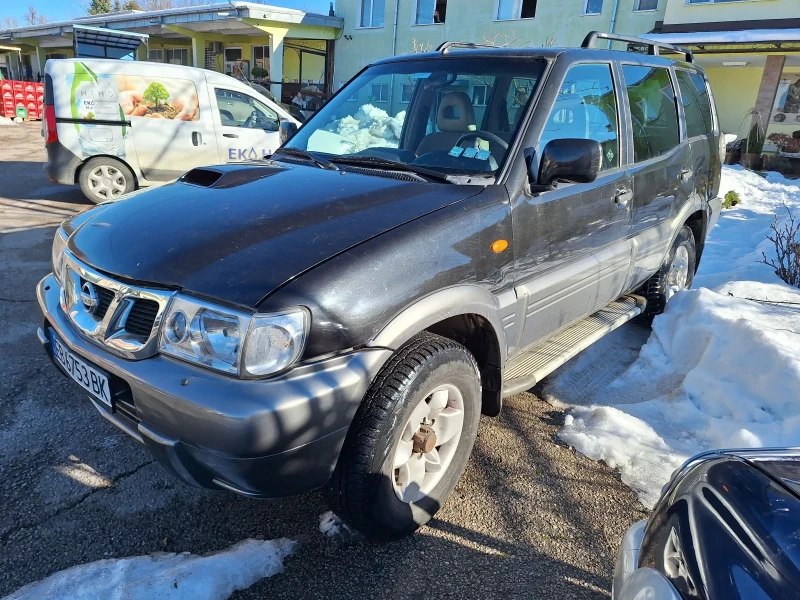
(100,37)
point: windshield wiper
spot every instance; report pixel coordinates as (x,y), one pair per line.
(374,161)
(322,163)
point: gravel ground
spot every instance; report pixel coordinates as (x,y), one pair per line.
(530,517)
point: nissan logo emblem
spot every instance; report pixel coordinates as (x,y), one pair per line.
(89,298)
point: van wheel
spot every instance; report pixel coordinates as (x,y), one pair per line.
(675,275)
(103,178)
(410,439)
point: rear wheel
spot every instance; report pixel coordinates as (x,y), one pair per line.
(410,439)
(104,178)
(675,275)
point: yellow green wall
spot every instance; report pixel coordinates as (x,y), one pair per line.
(677,11)
(735,90)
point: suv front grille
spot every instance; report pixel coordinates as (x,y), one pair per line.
(141,317)
(125,319)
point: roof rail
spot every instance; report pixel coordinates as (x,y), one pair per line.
(444,47)
(590,41)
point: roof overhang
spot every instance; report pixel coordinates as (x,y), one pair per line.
(110,38)
(748,40)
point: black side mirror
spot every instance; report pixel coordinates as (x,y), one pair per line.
(287,129)
(575,160)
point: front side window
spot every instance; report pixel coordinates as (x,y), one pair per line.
(696,103)
(654,114)
(430,11)
(593,7)
(372,13)
(451,115)
(242,110)
(586,108)
(645,5)
(515,9)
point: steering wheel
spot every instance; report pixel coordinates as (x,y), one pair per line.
(484,135)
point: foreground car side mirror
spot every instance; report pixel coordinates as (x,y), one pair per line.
(575,160)
(287,129)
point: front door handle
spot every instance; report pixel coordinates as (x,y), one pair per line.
(197,139)
(623,198)
(686,175)
(230,135)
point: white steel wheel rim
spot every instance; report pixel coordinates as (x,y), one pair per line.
(414,472)
(678,271)
(107,181)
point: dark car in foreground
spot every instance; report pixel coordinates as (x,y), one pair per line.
(342,314)
(727,525)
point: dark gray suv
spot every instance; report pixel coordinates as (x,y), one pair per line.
(447,230)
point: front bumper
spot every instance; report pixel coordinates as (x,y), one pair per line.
(264,438)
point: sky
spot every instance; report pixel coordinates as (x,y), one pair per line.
(62,10)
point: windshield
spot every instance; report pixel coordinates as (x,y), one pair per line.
(450,115)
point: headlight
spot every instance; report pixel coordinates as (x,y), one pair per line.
(231,341)
(57,253)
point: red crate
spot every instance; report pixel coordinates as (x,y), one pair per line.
(19,86)
(6,85)
(30,87)
(19,95)
(40,88)
(8,95)
(30,97)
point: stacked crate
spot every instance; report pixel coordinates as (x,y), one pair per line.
(21,94)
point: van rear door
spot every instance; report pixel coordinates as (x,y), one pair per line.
(172,125)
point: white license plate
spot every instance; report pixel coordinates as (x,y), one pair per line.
(93,381)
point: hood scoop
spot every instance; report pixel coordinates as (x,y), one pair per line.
(226,178)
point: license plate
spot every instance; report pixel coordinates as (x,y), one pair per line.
(88,377)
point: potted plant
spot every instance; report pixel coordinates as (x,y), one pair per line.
(751,157)
(259,73)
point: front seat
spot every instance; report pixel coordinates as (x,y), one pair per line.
(454,118)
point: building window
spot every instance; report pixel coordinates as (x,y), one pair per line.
(261,57)
(430,11)
(177,56)
(479,95)
(654,114)
(372,13)
(645,5)
(155,55)
(408,89)
(380,92)
(515,9)
(593,7)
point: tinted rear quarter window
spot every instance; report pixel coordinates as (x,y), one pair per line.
(654,114)
(696,103)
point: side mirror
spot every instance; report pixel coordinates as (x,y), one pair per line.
(287,129)
(272,126)
(575,160)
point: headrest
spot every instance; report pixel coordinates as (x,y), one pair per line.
(456,113)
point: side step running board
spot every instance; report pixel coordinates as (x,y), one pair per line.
(527,369)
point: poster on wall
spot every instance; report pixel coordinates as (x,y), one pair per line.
(787,101)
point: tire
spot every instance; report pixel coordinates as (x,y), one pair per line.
(365,489)
(667,281)
(103,178)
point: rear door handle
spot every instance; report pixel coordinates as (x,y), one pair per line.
(686,175)
(197,139)
(230,135)
(623,198)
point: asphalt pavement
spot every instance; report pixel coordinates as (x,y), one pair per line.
(530,518)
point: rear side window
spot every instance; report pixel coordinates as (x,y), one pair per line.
(586,108)
(654,115)
(696,103)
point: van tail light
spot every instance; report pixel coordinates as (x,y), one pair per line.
(51,132)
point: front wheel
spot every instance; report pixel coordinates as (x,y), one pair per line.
(675,275)
(103,178)
(410,439)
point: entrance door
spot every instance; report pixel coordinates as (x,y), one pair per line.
(248,127)
(233,62)
(572,255)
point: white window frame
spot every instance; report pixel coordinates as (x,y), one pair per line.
(160,52)
(371,14)
(173,50)
(485,93)
(415,16)
(586,8)
(637,4)
(403,89)
(383,86)
(519,13)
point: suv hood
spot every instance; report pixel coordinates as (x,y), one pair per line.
(241,231)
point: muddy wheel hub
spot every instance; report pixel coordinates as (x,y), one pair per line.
(424,440)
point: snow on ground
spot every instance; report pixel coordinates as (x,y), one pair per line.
(166,576)
(6,121)
(718,370)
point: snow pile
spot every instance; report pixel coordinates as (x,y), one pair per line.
(165,575)
(6,121)
(370,127)
(718,371)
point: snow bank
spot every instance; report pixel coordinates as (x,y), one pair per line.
(6,121)
(718,371)
(370,127)
(165,576)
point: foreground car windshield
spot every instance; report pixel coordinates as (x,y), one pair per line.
(455,116)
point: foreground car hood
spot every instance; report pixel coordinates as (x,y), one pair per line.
(253,229)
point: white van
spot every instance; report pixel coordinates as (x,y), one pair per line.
(113,126)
